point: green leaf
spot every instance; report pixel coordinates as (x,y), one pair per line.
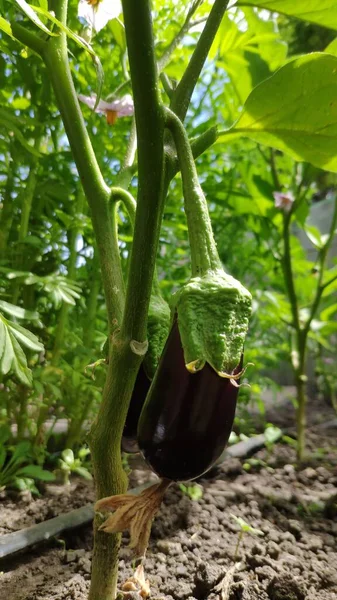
(7,355)
(31,14)
(17,311)
(68,456)
(83,472)
(118,31)
(18,135)
(25,337)
(328,312)
(19,363)
(321,12)
(332,47)
(295,111)
(6,27)
(314,236)
(36,472)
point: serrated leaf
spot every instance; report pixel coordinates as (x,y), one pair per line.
(321,12)
(295,111)
(31,14)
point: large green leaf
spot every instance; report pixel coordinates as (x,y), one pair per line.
(322,12)
(18,312)
(295,110)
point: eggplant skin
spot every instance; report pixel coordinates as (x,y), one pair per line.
(187,418)
(140,390)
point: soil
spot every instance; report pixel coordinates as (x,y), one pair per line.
(193,551)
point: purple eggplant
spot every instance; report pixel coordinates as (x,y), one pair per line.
(140,390)
(187,417)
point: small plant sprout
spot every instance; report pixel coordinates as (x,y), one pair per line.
(193,491)
(244,528)
(69,464)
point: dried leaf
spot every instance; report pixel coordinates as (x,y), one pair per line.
(134,513)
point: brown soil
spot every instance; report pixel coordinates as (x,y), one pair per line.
(193,542)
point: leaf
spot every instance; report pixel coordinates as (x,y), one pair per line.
(36,472)
(31,14)
(19,136)
(321,12)
(314,236)
(83,472)
(328,312)
(26,337)
(68,456)
(17,311)
(6,27)
(7,355)
(19,363)
(295,111)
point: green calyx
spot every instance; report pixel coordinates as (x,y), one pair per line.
(213,314)
(158,324)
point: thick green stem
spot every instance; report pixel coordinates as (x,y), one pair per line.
(204,254)
(150,135)
(183,94)
(123,363)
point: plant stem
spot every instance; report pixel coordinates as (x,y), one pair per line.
(204,254)
(55,56)
(95,278)
(63,315)
(7,212)
(183,93)
(150,135)
(106,433)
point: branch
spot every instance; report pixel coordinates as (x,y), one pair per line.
(55,56)
(184,91)
(288,272)
(165,58)
(150,136)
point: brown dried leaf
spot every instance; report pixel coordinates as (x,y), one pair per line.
(135,513)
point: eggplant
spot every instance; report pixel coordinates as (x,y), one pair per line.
(140,390)
(187,417)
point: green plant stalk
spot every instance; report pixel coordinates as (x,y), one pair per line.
(63,316)
(204,254)
(26,197)
(7,211)
(183,93)
(106,433)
